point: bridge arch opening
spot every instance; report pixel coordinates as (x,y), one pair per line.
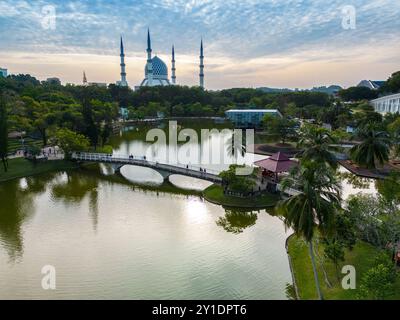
(142,175)
(188,183)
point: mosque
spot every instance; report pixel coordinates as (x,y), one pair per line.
(156,71)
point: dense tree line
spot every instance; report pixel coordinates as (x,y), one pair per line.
(41,109)
(171,100)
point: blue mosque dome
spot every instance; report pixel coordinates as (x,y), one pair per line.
(159,67)
(156,71)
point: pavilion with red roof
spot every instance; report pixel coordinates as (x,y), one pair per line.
(277,163)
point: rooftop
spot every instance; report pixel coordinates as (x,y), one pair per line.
(254,110)
(391,96)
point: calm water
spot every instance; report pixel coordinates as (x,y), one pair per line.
(108,238)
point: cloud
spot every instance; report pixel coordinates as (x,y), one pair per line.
(238,34)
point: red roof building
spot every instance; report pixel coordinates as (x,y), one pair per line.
(277,163)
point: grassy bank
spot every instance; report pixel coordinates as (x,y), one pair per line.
(215,194)
(15,144)
(361,257)
(19,168)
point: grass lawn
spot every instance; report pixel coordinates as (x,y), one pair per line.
(21,167)
(361,257)
(215,194)
(15,144)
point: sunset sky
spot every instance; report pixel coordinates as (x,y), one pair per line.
(248,43)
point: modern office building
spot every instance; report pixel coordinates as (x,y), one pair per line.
(3,73)
(250,118)
(387,104)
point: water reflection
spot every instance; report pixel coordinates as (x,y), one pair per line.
(74,188)
(142,175)
(235,221)
(17,207)
(139,242)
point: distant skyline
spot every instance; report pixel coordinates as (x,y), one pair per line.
(247,43)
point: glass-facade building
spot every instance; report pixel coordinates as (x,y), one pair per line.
(249,118)
(3,73)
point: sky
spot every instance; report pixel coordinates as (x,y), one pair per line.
(247,43)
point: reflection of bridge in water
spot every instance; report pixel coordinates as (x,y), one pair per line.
(165,170)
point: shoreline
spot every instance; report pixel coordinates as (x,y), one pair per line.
(296,289)
(25,168)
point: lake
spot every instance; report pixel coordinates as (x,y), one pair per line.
(110,238)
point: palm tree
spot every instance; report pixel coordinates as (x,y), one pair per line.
(318,145)
(374,148)
(236,145)
(314,207)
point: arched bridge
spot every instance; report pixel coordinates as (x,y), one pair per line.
(164,169)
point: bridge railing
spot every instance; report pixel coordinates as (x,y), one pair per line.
(103,157)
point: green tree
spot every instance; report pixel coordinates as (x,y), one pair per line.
(314,207)
(91,129)
(292,110)
(278,127)
(334,251)
(3,133)
(341,135)
(318,144)
(372,221)
(39,116)
(374,148)
(237,183)
(70,141)
(345,230)
(377,283)
(394,131)
(389,190)
(357,94)
(392,85)
(369,118)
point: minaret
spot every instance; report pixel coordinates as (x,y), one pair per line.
(123,82)
(201,65)
(173,66)
(149,62)
(84,79)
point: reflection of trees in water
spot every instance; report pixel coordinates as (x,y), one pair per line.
(76,187)
(235,221)
(17,206)
(290,292)
(94,207)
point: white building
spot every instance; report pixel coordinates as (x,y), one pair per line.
(3,73)
(156,71)
(387,104)
(371,84)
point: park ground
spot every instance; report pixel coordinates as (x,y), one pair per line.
(20,168)
(362,257)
